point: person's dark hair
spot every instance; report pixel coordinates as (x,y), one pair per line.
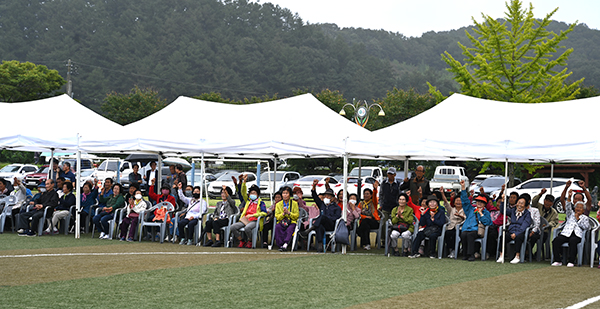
(196,187)
(3,181)
(456,197)
(120,187)
(179,167)
(165,186)
(135,166)
(351,195)
(67,164)
(421,200)
(135,185)
(368,190)
(61,178)
(341,192)
(405,196)
(579,193)
(288,189)
(254,188)
(526,196)
(525,199)
(278,193)
(228,189)
(153,162)
(549,197)
(438,194)
(190,186)
(52,181)
(69,186)
(514,193)
(109,179)
(89,185)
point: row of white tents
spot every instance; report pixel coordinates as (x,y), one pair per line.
(459,128)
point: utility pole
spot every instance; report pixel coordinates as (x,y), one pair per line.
(69,83)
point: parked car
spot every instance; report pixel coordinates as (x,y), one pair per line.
(33,180)
(479,179)
(305,183)
(214,190)
(535,185)
(492,184)
(366,183)
(11,171)
(373,171)
(282,179)
(208,177)
(448,177)
(86,164)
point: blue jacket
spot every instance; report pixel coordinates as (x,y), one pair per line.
(472,219)
(66,201)
(518,226)
(439,218)
(332,211)
(89,201)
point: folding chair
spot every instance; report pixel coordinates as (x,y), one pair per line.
(6,212)
(301,218)
(161,225)
(483,242)
(327,233)
(255,231)
(512,242)
(440,241)
(593,240)
(225,230)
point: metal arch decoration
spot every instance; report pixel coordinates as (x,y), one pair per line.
(361,111)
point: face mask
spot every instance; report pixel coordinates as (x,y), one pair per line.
(138,197)
(296,197)
(253,196)
(165,192)
(353,202)
(188,193)
(42,190)
(326,200)
(196,195)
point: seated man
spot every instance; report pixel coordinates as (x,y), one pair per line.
(330,212)
(48,198)
(547,211)
(64,205)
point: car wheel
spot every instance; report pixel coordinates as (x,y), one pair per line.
(558,206)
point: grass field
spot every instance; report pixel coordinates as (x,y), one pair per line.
(60,271)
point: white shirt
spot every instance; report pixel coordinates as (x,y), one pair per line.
(152,176)
(535,219)
(572,224)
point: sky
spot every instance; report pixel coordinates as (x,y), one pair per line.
(413,18)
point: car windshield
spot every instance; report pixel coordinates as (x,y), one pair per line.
(310,178)
(44,170)
(109,166)
(269,176)
(10,169)
(363,172)
(227,176)
(493,182)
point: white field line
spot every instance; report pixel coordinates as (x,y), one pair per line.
(584,303)
(158,253)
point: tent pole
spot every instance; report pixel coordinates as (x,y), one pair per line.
(551,176)
(193,173)
(358,191)
(405,168)
(274,179)
(78,193)
(504,199)
(204,187)
(345,195)
(158,182)
(51,163)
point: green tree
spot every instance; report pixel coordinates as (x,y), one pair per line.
(398,106)
(27,81)
(127,108)
(514,60)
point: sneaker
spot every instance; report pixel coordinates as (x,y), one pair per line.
(174,238)
(433,257)
(500,259)
(167,239)
(465,257)
(570,265)
(55,232)
(130,239)
(516,260)
(367,247)
(101,235)
(415,256)
(396,253)
(471,258)
(556,264)
(209,243)
(72,230)
(249,245)
(487,256)
(106,236)
(320,247)
(190,242)
(284,247)
(421,251)
(23,234)
(20,231)
(217,244)
(46,231)
(182,242)
(477,255)
(31,234)
(122,238)
(242,244)
(451,255)
(281,249)
(405,253)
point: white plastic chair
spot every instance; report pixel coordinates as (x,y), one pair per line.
(162,225)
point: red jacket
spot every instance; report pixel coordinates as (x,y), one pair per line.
(161,198)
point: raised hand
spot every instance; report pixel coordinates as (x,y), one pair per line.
(543,191)
(314,184)
(179,185)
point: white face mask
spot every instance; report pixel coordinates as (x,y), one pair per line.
(326,201)
(296,197)
(138,197)
(353,202)
(42,190)
(253,196)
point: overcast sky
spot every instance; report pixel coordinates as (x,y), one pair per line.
(413,18)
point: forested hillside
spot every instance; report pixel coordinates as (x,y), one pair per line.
(240,49)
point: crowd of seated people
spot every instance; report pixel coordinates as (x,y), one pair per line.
(466,215)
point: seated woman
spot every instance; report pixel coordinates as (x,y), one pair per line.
(88,198)
(64,206)
(402,225)
(286,213)
(574,228)
(112,202)
(192,216)
(268,224)
(135,206)
(520,220)
(254,207)
(474,218)
(160,214)
(353,210)
(330,213)
(225,209)
(369,216)
(456,216)
(433,219)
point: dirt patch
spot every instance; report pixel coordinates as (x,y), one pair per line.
(551,287)
(38,269)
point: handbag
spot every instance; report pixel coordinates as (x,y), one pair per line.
(430,230)
(400,227)
(285,222)
(341,233)
(480,229)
